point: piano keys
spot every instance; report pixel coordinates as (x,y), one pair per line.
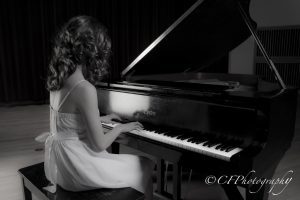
(200,143)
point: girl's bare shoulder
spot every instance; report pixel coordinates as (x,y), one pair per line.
(86,87)
(84,91)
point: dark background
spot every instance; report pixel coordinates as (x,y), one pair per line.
(28,27)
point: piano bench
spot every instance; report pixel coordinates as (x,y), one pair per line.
(34,179)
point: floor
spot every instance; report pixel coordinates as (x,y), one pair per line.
(19,125)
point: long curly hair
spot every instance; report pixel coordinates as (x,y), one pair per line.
(82,41)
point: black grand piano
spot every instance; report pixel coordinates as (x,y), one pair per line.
(216,123)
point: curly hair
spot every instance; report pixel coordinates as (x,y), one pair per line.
(82,41)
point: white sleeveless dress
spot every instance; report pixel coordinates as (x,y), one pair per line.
(72,164)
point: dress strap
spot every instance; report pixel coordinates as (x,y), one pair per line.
(68,93)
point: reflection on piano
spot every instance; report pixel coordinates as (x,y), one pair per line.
(215,123)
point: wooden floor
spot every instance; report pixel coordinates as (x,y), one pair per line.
(19,126)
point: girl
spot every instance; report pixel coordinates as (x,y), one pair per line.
(75,151)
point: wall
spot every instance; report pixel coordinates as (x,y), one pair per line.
(265,13)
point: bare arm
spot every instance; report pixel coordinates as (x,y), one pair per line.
(109,118)
(87,102)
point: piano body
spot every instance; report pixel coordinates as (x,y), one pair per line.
(216,123)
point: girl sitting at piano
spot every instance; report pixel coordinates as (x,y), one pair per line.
(75,150)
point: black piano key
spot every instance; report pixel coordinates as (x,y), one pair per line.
(228,149)
(193,138)
(224,147)
(179,137)
(159,131)
(172,134)
(198,137)
(206,143)
(187,137)
(148,128)
(200,140)
(212,143)
(183,137)
(220,146)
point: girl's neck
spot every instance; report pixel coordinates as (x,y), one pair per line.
(74,78)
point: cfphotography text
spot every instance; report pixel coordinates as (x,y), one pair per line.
(277,185)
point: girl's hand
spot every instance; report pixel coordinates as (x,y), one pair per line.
(130,127)
(110,118)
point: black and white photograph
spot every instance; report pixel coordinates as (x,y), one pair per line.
(149,100)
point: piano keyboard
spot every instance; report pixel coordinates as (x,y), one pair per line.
(196,144)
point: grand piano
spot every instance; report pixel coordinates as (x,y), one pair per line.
(194,117)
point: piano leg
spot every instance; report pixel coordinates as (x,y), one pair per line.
(160,175)
(260,195)
(176,181)
(232,192)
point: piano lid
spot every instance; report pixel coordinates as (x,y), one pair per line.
(206,32)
